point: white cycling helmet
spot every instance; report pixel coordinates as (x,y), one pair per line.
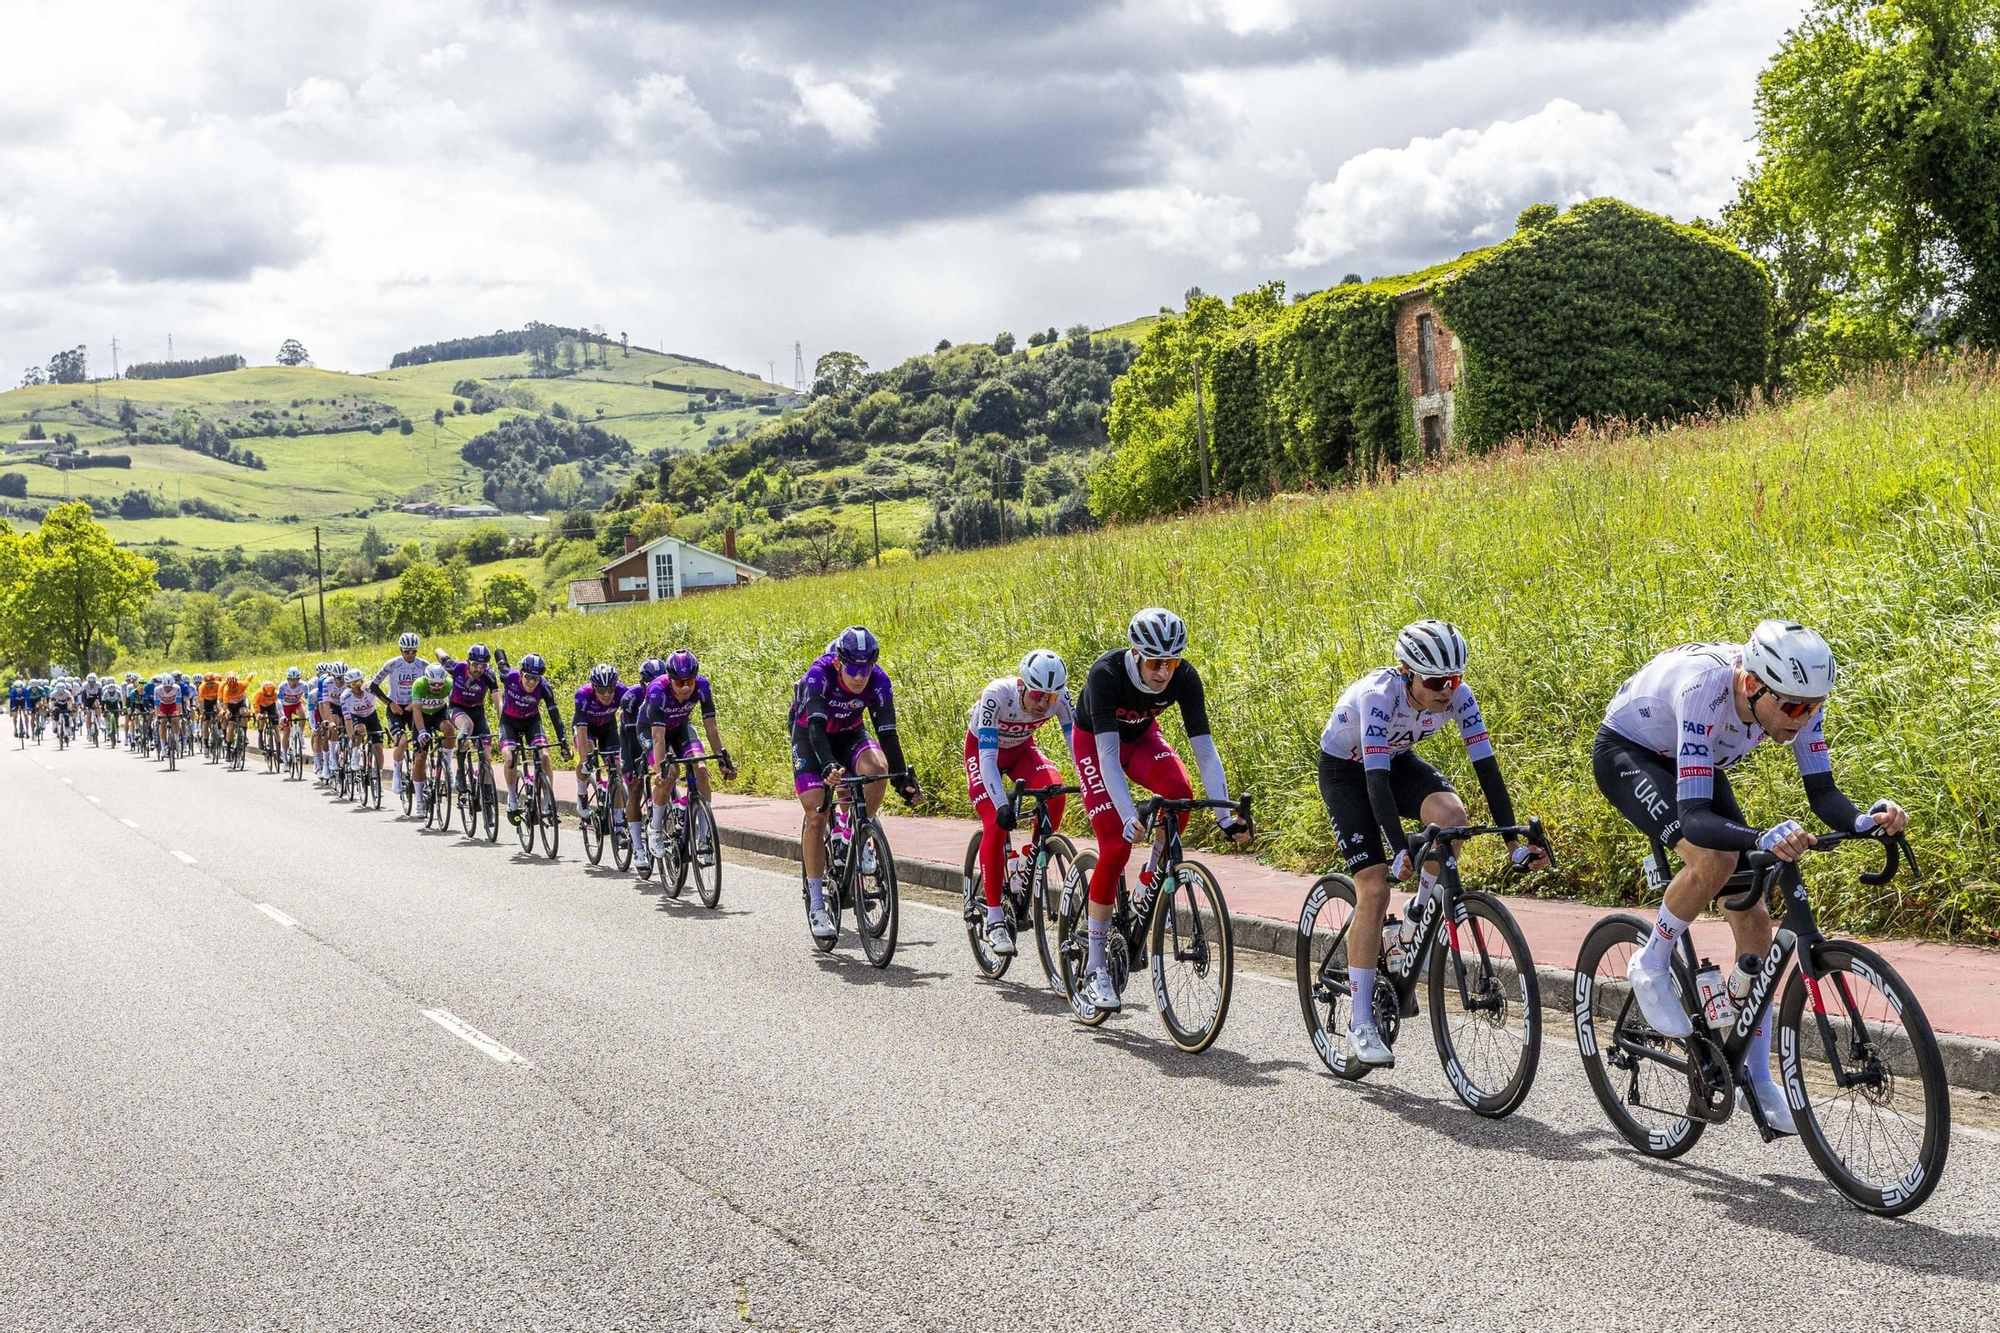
(353,676)
(408,643)
(1157,632)
(1432,648)
(291,673)
(436,674)
(1042,670)
(1790,660)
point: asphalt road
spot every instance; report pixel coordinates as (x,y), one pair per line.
(223,1104)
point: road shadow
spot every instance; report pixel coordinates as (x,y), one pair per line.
(1035,997)
(1217,1064)
(1516,1133)
(860,972)
(1808,1209)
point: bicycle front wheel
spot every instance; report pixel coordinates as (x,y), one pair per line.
(877,910)
(1058,860)
(1194,957)
(1486,1007)
(1865,1080)
(592,820)
(991,965)
(1644,1098)
(548,822)
(704,856)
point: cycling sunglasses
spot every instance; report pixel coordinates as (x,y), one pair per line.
(1440,682)
(1170,663)
(1792,708)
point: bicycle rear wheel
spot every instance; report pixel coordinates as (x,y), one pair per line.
(1639,1095)
(593,820)
(1882,1139)
(990,964)
(469,782)
(1320,963)
(408,795)
(1489,1031)
(704,852)
(548,822)
(1194,957)
(877,910)
(524,815)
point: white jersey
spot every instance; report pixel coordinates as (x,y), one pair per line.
(1374,721)
(356,701)
(62,692)
(111,694)
(401,675)
(1000,720)
(1682,704)
(292,693)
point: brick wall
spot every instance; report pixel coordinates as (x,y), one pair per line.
(1431,409)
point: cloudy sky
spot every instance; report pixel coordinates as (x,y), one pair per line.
(728,177)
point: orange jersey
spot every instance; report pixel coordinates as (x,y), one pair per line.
(267,696)
(209,689)
(233,691)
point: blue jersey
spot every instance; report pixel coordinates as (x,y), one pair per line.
(146,695)
(17,696)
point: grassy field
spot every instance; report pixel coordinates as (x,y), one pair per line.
(1133,330)
(345,480)
(1868,513)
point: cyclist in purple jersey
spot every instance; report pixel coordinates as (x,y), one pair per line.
(666,720)
(593,715)
(523,696)
(830,738)
(471,681)
(633,756)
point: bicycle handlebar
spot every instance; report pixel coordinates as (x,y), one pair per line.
(1153,807)
(1044,794)
(1766,866)
(1433,836)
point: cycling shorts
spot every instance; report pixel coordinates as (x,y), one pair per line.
(293,709)
(235,707)
(631,750)
(208,707)
(603,737)
(269,712)
(470,721)
(1640,784)
(370,723)
(522,730)
(847,746)
(681,743)
(435,718)
(166,708)
(1343,789)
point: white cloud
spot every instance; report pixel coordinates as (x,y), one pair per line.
(848,118)
(442,58)
(662,107)
(1170,219)
(1462,188)
(1245,17)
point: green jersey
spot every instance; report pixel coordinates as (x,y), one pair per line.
(430,698)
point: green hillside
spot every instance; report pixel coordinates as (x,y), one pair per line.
(1864,513)
(349,463)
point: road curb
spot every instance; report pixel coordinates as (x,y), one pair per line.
(1970,1062)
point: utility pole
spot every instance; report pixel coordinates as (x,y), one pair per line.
(999,496)
(170,347)
(114,356)
(319,577)
(875,523)
(305,629)
(1200,429)
(798,367)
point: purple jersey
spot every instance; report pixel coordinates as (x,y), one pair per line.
(662,709)
(591,711)
(819,695)
(469,684)
(518,701)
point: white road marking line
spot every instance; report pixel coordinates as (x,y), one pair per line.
(465,1032)
(277,916)
(933,907)
(183,857)
(126,822)
(69,782)
(93,800)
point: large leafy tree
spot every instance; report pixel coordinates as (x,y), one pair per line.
(509,599)
(423,600)
(1880,125)
(69,585)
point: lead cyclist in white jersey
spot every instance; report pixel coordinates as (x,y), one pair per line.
(401,671)
(1661,758)
(1000,744)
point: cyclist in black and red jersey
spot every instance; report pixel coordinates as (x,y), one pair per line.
(1118,738)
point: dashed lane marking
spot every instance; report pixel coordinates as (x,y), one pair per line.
(126,822)
(471,1035)
(277,916)
(183,857)
(93,800)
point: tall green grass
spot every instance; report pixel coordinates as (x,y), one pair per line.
(1868,513)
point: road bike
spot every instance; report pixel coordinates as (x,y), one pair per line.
(1861,1071)
(537,816)
(90,726)
(236,742)
(599,797)
(1485,999)
(477,795)
(295,749)
(1180,924)
(689,846)
(860,870)
(65,729)
(1032,893)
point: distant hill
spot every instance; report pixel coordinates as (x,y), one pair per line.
(332,445)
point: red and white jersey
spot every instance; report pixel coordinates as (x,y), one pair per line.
(1000,717)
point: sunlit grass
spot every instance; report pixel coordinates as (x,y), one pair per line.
(1867,513)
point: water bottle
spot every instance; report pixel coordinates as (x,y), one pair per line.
(1714,994)
(1017,872)
(1743,978)
(1392,943)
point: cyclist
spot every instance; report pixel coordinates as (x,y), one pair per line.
(1661,758)
(829,740)
(264,703)
(594,718)
(91,696)
(430,711)
(1123,696)
(171,705)
(62,702)
(234,698)
(401,671)
(667,719)
(110,700)
(357,706)
(471,681)
(209,695)
(294,701)
(524,693)
(326,708)
(1000,744)
(1371,780)
(19,704)
(633,756)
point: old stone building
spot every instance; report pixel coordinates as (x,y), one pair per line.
(1427,354)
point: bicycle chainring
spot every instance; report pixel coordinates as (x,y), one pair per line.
(1711,1085)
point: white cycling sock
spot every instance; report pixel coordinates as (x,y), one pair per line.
(1361,980)
(816,893)
(659,819)
(1427,882)
(995,913)
(1659,950)
(1757,1055)
(1099,931)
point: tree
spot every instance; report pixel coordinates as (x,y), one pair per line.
(72,584)
(69,367)
(624,345)
(422,600)
(838,373)
(32,376)
(437,416)
(204,632)
(128,415)
(1003,343)
(484,544)
(14,484)
(508,599)
(1531,217)
(1882,124)
(292,352)
(373,548)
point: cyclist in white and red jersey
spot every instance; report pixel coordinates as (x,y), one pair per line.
(1371,780)
(1661,758)
(1000,744)
(1123,696)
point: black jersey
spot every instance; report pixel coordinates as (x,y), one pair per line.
(1110,699)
